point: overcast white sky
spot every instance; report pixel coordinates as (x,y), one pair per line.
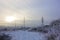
(33,9)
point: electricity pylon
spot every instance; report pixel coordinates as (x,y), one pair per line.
(24,21)
(42,21)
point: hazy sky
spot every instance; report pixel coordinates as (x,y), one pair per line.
(32,9)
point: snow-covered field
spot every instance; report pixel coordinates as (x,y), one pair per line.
(52,34)
(25,35)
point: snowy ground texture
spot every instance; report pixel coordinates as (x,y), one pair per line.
(25,35)
(53,34)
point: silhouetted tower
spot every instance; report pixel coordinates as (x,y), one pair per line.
(15,23)
(42,21)
(24,21)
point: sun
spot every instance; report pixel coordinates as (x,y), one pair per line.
(10,19)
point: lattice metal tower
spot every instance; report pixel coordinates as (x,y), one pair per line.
(42,21)
(24,21)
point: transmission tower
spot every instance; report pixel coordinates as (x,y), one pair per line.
(42,21)
(24,21)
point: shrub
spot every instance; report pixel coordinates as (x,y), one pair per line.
(52,37)
(5,37)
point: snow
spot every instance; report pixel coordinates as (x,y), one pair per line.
(29,35)
(25,35)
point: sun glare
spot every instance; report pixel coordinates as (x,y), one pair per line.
(9,19)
